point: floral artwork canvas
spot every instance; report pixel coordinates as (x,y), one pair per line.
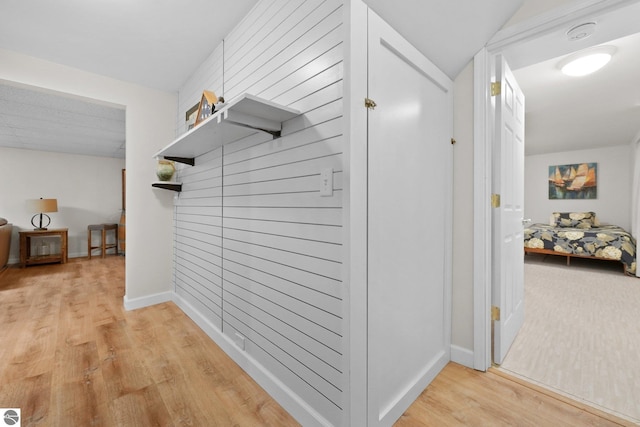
(575,181)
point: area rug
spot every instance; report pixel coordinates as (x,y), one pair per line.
(581,333)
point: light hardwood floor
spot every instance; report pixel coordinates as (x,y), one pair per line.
(71,355)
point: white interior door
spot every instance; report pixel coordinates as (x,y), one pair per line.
(409,226)
(508,181)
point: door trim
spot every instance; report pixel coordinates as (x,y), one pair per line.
(510,37)
(355,221)
(482,166)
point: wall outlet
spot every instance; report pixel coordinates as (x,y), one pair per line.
(326,182)
(239,340)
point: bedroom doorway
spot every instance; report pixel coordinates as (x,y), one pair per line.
(575,324)
(580,363)
(521,41)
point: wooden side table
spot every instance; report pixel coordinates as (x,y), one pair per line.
(27,258)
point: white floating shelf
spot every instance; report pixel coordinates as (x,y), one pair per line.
(237,119)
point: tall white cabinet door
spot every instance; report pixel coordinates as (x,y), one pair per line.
(409,222)
(508,181)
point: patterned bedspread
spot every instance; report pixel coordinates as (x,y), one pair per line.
(607,241)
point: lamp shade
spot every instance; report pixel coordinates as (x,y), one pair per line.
(43,205)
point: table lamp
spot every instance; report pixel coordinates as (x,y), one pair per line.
(41,206)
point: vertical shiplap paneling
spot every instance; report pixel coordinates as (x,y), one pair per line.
(258,250)
(198,236)
(282,242)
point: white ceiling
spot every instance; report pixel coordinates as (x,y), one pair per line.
(159,43)
(154,43)
(37,119)
(573,113)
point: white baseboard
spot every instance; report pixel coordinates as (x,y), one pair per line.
(411,393)
(461,355)
(135,303)
(290,401)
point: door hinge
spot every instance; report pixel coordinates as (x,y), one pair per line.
(370,104)
(495,200)
(495,313)
(496,88)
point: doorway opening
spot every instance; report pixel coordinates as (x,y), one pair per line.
(540,217)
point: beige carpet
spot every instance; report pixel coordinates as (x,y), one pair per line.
(581,333)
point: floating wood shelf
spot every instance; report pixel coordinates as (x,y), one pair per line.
(168,185)
(238,119)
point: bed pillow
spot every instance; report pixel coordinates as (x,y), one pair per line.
(575,219)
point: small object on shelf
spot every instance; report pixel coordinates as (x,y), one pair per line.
(219,105)
(207,106)
(43,248)
(165,170)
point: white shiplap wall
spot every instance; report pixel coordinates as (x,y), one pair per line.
(198,237)
(258,251)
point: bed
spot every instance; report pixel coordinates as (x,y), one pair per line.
(579,234)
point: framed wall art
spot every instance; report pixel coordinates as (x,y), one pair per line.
(575,181)
(190,116)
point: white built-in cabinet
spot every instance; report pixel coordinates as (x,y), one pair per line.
(400,221)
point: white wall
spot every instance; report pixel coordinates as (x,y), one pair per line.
(614,185)
(88,189)
(462,292)
(150,120)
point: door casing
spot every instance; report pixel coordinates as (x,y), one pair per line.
(510,38)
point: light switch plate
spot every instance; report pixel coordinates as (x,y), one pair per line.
(326,182)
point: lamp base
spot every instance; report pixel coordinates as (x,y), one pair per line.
(38,227)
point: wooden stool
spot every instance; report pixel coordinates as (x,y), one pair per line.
(103,228)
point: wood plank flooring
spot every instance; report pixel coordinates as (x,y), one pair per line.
(71,355)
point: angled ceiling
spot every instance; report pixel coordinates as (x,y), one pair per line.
(152,43)
(449,33)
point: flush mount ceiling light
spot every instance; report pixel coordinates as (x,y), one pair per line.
(586,61)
